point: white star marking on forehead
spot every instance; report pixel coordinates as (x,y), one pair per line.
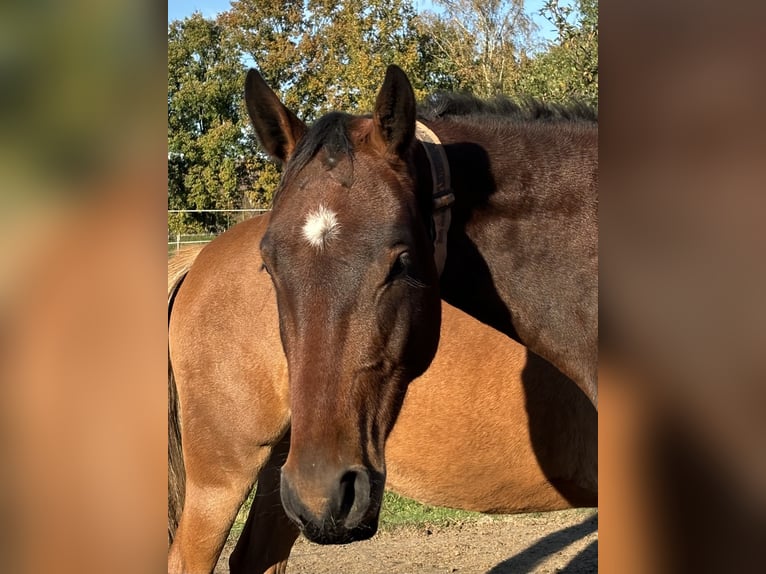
(320,227)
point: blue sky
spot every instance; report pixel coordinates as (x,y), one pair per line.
(178,9)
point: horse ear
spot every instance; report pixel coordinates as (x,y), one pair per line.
(394,115)
(278,129)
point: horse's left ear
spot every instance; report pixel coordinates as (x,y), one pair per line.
(394,115)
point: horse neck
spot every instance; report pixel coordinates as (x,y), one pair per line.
(523,226)
(498,168)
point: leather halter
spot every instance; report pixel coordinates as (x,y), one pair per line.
(442,193)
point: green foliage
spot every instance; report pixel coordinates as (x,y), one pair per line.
(207,148)
(568,69)
(489,47)
(327,54)
(479,43)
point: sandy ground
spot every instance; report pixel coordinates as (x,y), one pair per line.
(565,542)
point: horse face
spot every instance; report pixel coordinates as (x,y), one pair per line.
(357,291)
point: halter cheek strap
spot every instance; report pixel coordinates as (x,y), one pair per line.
(442,193)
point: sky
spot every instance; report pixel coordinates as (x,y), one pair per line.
(178,9)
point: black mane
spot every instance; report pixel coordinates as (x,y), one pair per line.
(445,104)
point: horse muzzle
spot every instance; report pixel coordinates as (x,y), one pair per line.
(334,507)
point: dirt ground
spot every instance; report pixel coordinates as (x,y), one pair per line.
(555,542)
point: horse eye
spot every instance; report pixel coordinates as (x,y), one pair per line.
(400,266)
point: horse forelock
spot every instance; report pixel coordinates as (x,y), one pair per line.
(330,133)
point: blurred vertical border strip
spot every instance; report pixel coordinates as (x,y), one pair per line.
(682,287)
(82,272)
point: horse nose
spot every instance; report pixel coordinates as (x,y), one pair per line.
(353,496)
(340,502)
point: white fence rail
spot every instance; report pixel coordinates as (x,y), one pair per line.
(177,240)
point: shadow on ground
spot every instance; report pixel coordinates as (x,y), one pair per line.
(585,561)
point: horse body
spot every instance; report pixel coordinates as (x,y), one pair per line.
(349,250)
(493,427)
(233,400)
(490,426)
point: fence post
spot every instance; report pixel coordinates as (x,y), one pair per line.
(178,241)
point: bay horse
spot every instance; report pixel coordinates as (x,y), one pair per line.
(498,199)
(489,426)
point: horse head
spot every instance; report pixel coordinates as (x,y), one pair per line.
(350,254)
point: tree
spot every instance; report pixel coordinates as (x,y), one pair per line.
(207,145)
(320,55)
(349,44)
(568,69)
(480,42)
(326,54)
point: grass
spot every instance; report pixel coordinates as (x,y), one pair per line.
(239,521)
(397,511)
(400,511)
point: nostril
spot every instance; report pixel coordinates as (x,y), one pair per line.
(347,493)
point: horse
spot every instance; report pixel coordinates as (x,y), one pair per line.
(489,426)
(491,207)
